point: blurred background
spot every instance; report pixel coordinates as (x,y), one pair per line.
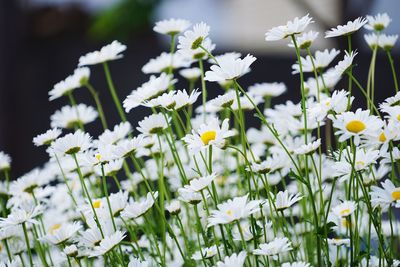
(42,40)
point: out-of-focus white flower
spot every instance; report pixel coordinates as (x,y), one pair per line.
(171,26)
(378,22)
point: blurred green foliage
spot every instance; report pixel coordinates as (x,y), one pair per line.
(122,20)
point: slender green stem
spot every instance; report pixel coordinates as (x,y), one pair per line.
(390,58)
(28,247)
(99,106)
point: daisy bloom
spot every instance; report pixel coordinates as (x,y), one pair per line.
(229,68)
(386,42)
(378,22)
(267,89)
(72,143)
(76,80)
(209,134)
(107,244)
(292,27)
(47,138)
(283,200)
(70,116)
(174,207)
(296,264)
(171,26)
(136,209)
(349,28)
(320,60)
(5,161)
(232,210)
(71,251)
(305,40)
(119,132)
(153,124)
(274,248)
(191,74)
(205,253)
(385,196)
(350,124)
(235,260)
(20,216)
(372,40)
(339,242)
(346,63)
(189,196)
(138,263)
(308,148)
(223,101)
(106,53)
(165,62)
(344,209)
(202,182)
(60,233)
(193,39)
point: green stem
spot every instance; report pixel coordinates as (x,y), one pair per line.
(396,85)
(28,247)
(99,106)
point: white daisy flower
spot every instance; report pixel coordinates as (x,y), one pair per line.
(21,215)
(126,147)
(27,183)
(202,182)
(205,253)
(339,242)
(136,209)
(110,168)
(191,74)
(208,134)
(378,22)
(47,138)
(107,244)
(74,81)
(321,60)
(193,39)
(346,63)
(274,248)
(150,89)
(174,207)
(296,264)
(72,143)
(106,53)
(119,132)
(165,62)
(229,68)
(5,161)
(138,263)
(283,200)
(308,148)
(387,42)
(183,99)
(267,89)
(171,26)
(235,260)
(198,53)
(60,233)
(349,28)
(71,251)
(372,40)
(223,101)
(70,116)
(246,232)
(386,196)
(232,210)
(350,124)
(305,40)
(153,124)
(189,196)
(292,27)
(344,209)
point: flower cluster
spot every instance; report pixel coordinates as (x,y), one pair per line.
(316,184)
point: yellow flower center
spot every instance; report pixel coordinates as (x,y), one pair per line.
(346,223)
(398,117)
(396,194)
(97,204)
(360,163)
(344,212)
(54,228)
(98,157)
(208,136)
(382,137)
(229,212)
(355,126)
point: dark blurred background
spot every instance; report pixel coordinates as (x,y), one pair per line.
(42,40)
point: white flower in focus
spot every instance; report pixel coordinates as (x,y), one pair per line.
(21,215)
(223,101)
(292,27)
(267,89)
(153,124)
(119,132)
(378,22)
(60,233)
(235,260)
(70,116)
(346,63)
(385,196)
(107,243)
(387,42)
(193,39)
(232,210)
(201,183)
(126,147)
(320,60)
(308,148)
(5,161)
(209,134)
(106,53)
(189,196)
(76,80)
(72,143)
(274,248)
(229,68)
(349,28)
(47,138)
(305,40)
(136,209)
(171,26)
(344,209)
(283,200)
(174,207)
